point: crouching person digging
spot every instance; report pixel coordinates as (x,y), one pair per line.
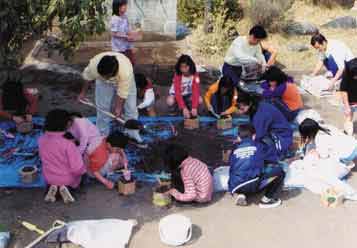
(247,175)
(191,179)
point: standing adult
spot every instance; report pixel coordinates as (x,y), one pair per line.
(349,94)
(243,51)
(115,89)
(332,55)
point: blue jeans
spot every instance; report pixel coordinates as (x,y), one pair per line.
(350,158)
(105,96)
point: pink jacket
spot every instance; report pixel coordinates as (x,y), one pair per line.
(87,134)
(62,163)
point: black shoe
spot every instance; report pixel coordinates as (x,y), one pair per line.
(269,203)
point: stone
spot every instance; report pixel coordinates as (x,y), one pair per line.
(191,124)
(224,123)
(300,28)
(298,47)
(126,188)
(344,22)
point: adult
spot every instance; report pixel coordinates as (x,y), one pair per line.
(332,54)
(272,128)
(270,52)
(349,94)
(243,51)
(115,89)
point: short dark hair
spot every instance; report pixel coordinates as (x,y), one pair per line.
(246,131)
(275,74)
(13,97)
(185,59)
(258,32)
(117,139)
(117,4)
(141,81)
(317,38)
(57,120)
(249,100)
(174,155)
(108,66)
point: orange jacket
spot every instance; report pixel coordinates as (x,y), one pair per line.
(213,90)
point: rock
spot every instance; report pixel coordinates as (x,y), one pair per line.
(300,28)
(182,30)
(344,22)
(298,47)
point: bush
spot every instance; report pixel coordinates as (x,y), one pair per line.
(269,13)
(218,40)
(332,3)
(192,12)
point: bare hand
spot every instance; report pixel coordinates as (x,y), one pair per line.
(118,112)
(186,113)
(109,185)
(18,119)
(29,118)
(194,112)
(81,97)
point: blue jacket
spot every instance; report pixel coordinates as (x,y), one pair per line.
(246,163)
(270,124)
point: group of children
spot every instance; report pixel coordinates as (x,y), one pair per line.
(72,146)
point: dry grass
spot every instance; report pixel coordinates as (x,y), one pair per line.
(296,61)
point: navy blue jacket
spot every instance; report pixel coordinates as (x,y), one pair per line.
(270,123)
(246,163)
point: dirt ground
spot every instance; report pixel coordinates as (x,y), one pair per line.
(300,222)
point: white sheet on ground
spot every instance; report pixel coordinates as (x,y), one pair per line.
(318,175)
(317,85)
(108,233)
(220,179)
(308,113)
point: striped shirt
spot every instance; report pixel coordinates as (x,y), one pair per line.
(197,180)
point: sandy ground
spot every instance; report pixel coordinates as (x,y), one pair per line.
(300,222)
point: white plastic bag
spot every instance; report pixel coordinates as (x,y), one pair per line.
(220,179)
(308,113)
(106,233)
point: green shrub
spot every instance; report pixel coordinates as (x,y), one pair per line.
(192,12)
(218,40)
(269,13)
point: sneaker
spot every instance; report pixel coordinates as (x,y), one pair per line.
(350,165)
(66,195)
(51,194)
(269,203)
(241,200)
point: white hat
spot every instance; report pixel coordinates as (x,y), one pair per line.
(175,230)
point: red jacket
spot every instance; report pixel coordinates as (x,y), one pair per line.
(195,91)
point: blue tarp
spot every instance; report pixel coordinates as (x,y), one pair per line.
(158,128)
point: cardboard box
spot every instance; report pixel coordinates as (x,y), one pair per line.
(224,123)
(192,123)
(126,188)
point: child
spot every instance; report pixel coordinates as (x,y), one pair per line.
(185,91)
(146,94)
(328,142)
(247,176)
(279,86)
(17,103)
(192,180)
(101,164)
(85,132)
(62,163)
(221,97)
(122,36)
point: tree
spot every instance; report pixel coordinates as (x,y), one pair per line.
(21,20)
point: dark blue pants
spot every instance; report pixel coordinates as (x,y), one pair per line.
(331,65)
(226,103)
(271,181)
(233,72)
